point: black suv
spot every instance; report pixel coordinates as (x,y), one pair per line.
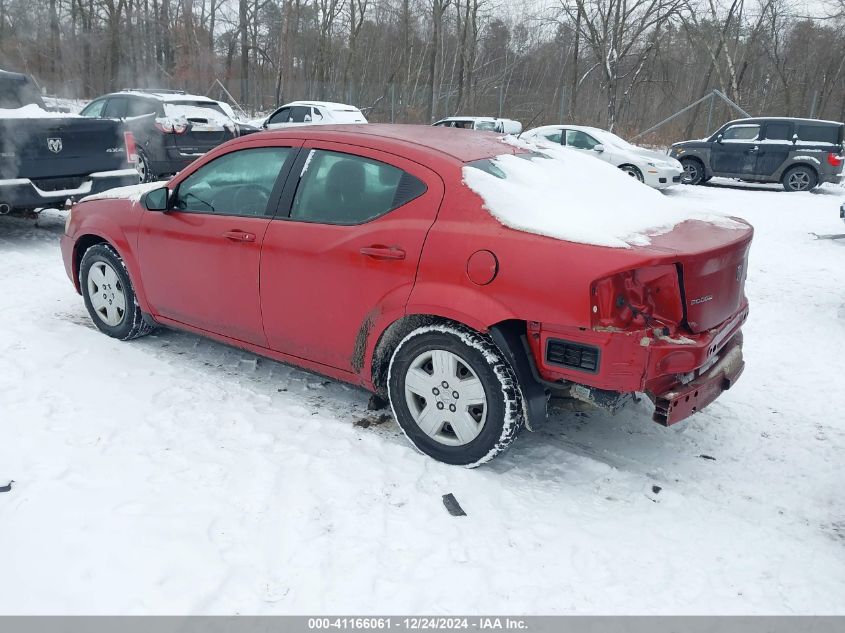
(799,153)
(171,128)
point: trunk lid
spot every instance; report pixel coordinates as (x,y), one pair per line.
(712,264)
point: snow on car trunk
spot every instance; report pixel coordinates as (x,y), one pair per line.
(560,193)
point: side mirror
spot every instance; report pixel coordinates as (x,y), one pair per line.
(598,148)
(157,199)
(719,138)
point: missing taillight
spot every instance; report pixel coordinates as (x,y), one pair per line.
(643,298)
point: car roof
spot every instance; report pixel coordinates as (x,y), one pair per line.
(788,119)
(473,118)
(165,97)
(411,141)
(320,104)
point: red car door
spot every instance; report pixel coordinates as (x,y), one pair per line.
(344,249)
(200,259)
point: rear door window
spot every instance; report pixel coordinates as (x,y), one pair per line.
(300,114)
(818,133)
(554,137)
(141,107)
(742,133)
(115,108)
(779,131)
(338,188)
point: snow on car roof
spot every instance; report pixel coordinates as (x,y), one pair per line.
(474,118)
(757,119)
(321,104)
(567,196)
(168,96)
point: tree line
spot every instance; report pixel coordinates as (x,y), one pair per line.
(619,64)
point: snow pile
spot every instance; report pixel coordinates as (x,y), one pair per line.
(32,111)
(571,197)
(131,192)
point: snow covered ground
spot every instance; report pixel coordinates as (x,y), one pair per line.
(176,475)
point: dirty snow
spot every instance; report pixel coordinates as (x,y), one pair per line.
(579,200)
(177,475)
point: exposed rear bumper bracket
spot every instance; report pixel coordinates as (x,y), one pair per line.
(682,401)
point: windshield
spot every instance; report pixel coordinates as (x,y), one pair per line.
(211,105)
(609,138)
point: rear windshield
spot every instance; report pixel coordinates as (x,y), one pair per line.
(181,106)
(818,133)
(488,165)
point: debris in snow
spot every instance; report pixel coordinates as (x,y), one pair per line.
(366,423)
(453,506)
(7,487)
(602,205)
(376,403)
(707,457)
(656,489)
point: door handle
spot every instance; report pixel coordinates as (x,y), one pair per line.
(383,252)
(753,150)
(239,236)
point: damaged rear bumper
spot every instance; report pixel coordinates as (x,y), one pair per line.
(682,401)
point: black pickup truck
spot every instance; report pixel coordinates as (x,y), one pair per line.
(50,158)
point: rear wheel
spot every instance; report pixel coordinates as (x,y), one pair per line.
(108,294)
(632,171)
(693,171)
(143,167)
(454,395)
(799,178)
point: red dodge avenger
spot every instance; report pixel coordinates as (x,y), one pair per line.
(466,278)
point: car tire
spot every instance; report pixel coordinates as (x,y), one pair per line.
(109,295)
(632,171)
(693,172)
(799,178)
(143,167)
(454,395)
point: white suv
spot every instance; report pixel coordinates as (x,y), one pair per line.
(313,113)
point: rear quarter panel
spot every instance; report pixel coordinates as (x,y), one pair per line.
(538,278)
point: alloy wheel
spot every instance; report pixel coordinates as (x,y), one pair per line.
(798,181)
(690,172)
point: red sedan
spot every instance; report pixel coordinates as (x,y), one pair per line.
(379,255)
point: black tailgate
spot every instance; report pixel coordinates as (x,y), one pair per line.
(54,147)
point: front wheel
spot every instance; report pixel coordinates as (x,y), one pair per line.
(632,171)
(799,178)
(693,172)
(108,294)
(454,395)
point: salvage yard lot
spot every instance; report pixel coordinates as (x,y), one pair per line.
(177,475)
